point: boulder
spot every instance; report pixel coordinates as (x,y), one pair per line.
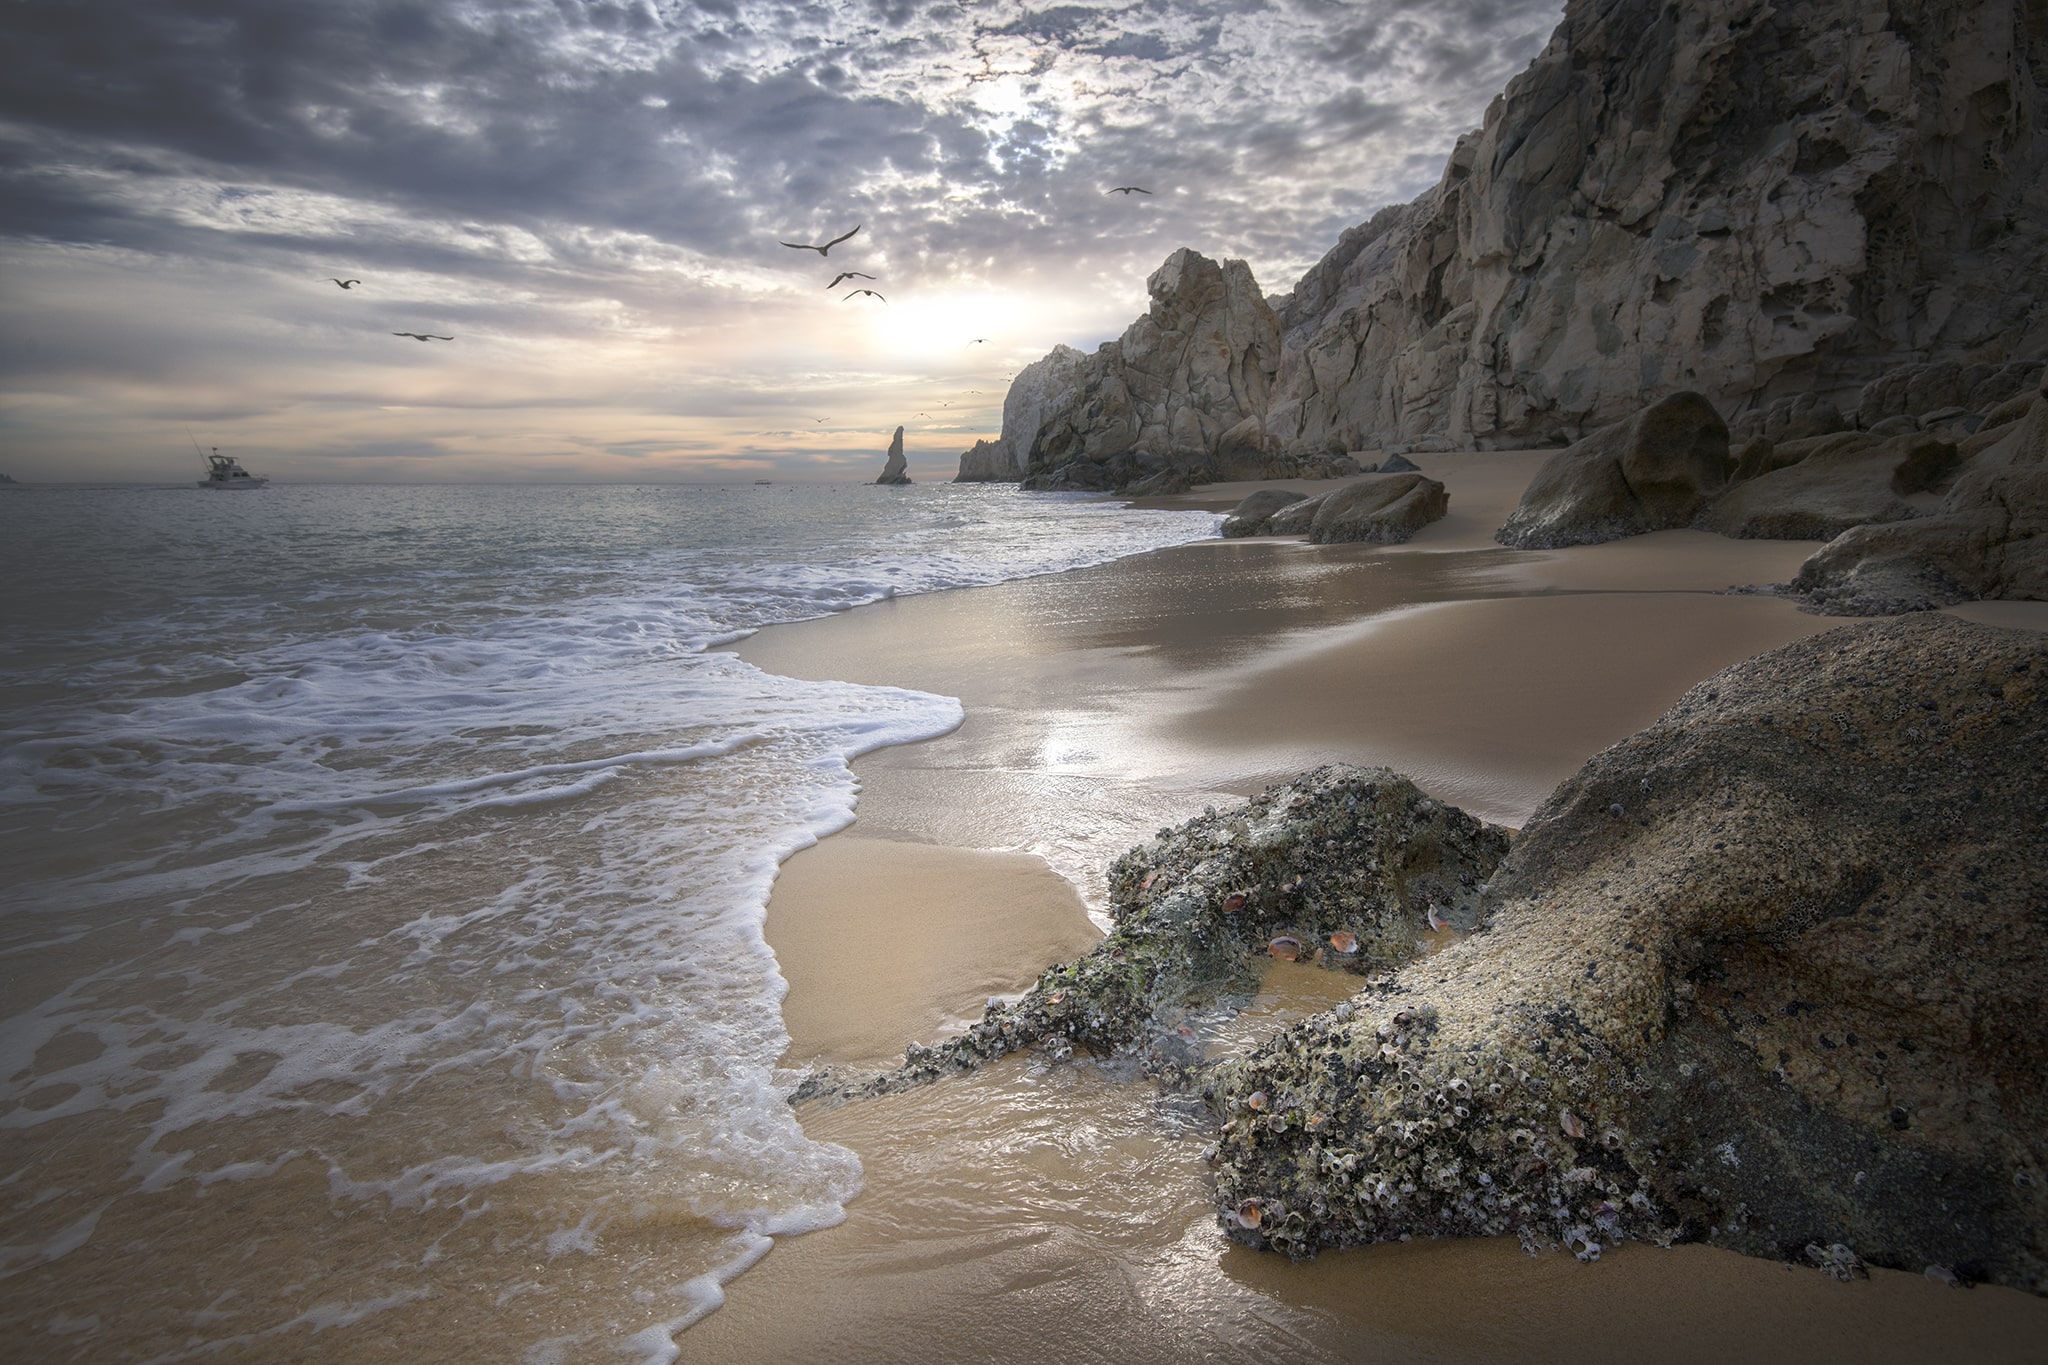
(1249,517)
(1650,472)
(1398,464)
(1846,480)
(1385,509)
(1296,518)
(892,467)
(1989,540)
(1771,974)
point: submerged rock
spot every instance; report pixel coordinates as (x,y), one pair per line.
(1357,853)
(1771,973)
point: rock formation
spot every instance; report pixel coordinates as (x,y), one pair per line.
(1195,368)
(1383,509)
(1652,471)
(1988,538)
(1771,205)
(1250,516)
(1771,974)
(892,468)
(1342,863)
(1180,397)
(1827,484)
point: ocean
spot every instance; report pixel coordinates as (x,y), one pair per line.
(384,877)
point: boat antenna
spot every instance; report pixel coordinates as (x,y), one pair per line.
(195,442)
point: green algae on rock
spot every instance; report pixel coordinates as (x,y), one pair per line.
(1771,974)
(1360,855)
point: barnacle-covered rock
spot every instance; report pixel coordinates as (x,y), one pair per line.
(1358,854)
(1771,973)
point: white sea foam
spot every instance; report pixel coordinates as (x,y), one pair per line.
(418,838)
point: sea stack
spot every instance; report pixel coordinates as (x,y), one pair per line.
(892,469)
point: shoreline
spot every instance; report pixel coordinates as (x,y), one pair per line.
(1104,703)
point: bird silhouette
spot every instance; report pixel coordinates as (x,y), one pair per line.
(1127,190)
(821,250)
(817,419)
(344,283)
(844,275)
(863,291)
(978,341)
(422,336)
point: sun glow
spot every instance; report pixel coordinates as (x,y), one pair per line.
(941,327)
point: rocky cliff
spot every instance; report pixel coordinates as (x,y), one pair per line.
(1759,203)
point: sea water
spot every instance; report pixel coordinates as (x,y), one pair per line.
(384,872)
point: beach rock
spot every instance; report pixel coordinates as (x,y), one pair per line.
(1297,518)
(1398,464)
(1771,973)
(1249,517)
(1987,539)
(1385,509)
(1651,472)
(892,468)
(1845,480)
(1342,866)
(1775,206)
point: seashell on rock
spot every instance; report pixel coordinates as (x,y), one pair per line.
(1343,942)
(1286,947)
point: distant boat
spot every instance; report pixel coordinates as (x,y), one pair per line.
(223,472)
(760,483)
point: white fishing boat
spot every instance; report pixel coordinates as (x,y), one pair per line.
(223,472)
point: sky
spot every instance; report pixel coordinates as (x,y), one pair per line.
(592,198)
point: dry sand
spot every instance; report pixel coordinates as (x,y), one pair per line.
(1030,1212)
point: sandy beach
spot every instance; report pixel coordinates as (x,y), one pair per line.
(1033,1212)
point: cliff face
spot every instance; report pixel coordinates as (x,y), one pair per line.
(1184,389)
(1749,201)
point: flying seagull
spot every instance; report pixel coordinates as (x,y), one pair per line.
(978,341)
(1127,190)
(422,336)
(344,283)
(822,250)
(844,275)
(863,291)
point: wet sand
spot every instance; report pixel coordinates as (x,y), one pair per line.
(1032,1212)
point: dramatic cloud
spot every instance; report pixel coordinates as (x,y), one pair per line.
(590,197)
